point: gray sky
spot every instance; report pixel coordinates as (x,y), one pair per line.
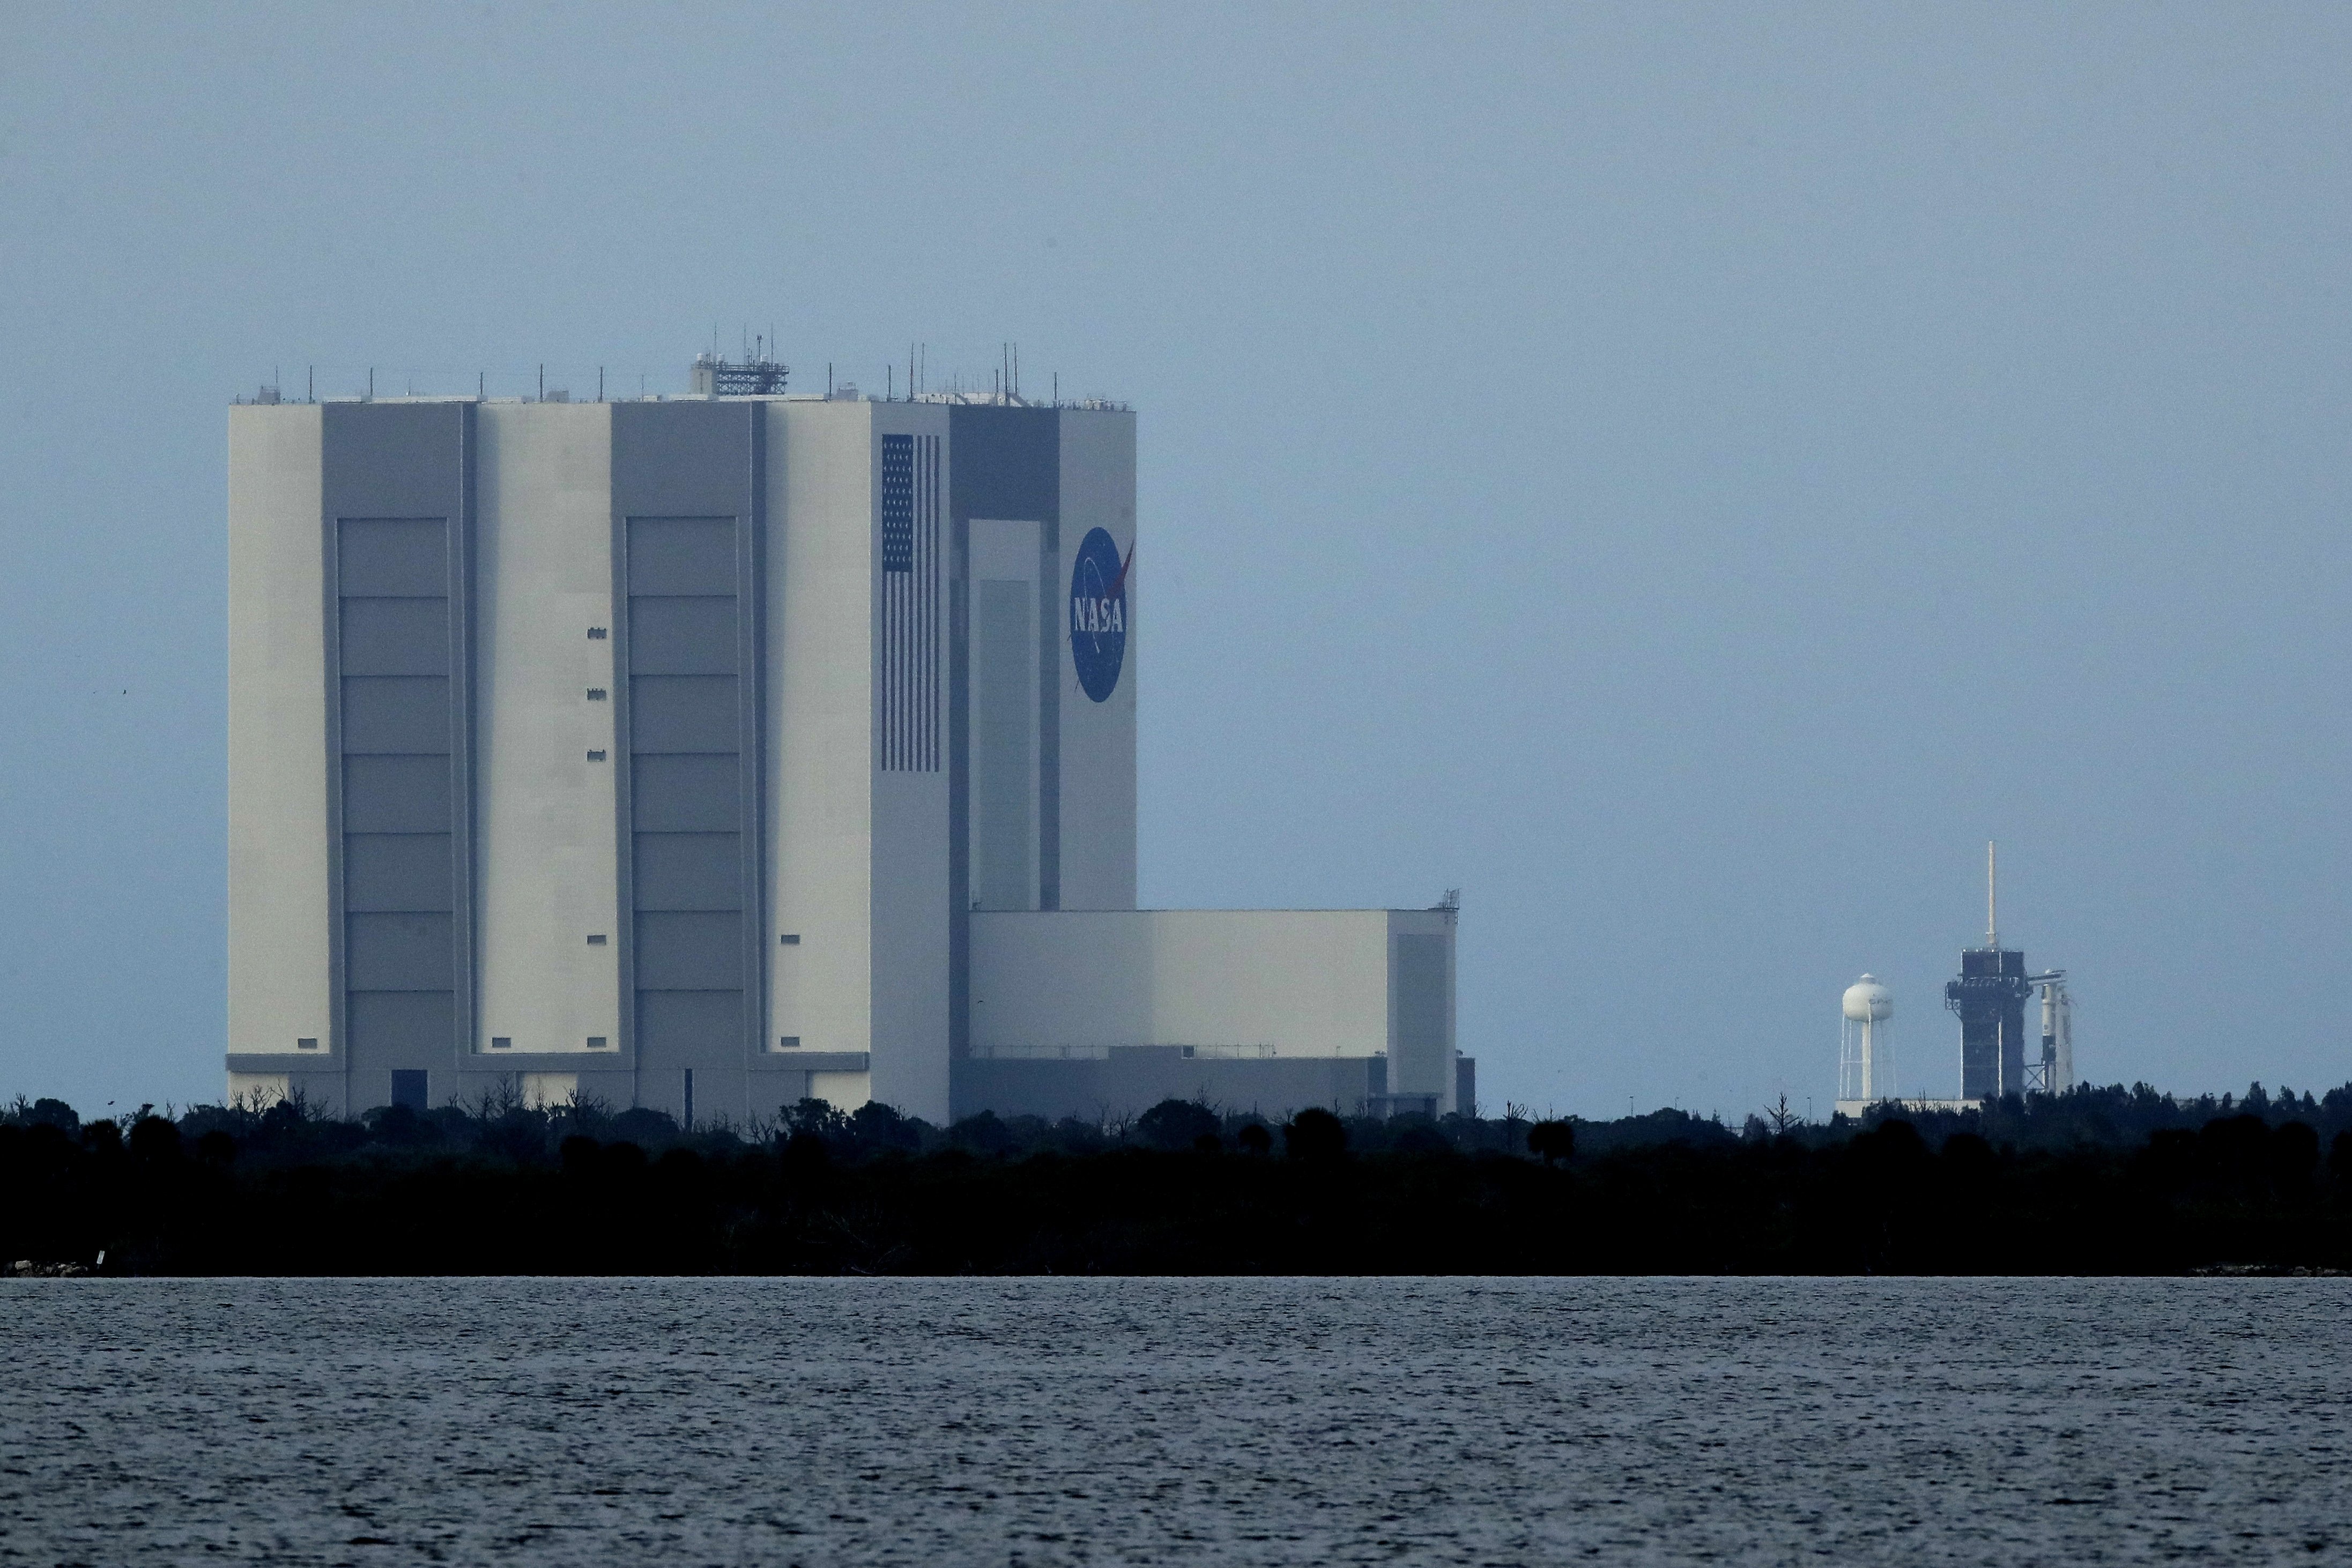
(1686,476)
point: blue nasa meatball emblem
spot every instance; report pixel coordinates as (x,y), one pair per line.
(1098,613)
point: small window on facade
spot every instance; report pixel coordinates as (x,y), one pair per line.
(501,1042)
(595,694)
(595,633)
(595,756)
(790,939)
(788,1042)
(596,941)
(306,1043)
(595,1043)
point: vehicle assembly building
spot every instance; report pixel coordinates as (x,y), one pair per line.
(706,753)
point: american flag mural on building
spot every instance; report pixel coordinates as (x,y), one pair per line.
(911,604)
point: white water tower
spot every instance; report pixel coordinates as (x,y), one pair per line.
(1866,1056)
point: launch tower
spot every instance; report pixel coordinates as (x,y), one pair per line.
(1989,995)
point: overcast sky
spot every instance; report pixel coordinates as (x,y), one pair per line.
(1686,476)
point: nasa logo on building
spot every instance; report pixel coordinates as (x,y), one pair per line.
(1099,616)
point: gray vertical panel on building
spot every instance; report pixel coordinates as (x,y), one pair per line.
(397,508)
(684,794)
(959,630)
(930,574)
(396,1015)
(688,871)
(395,795)
(1006,462)
(1002,744)
(1417,976)
(686,497)
(397,924)
(676,1016)
(395,556)
(1002,462)
(1053,594)
(394,637)
(685,744)
(400,950)
(403,715)
(679,634)
(680,715)
(391,871)
(688,949)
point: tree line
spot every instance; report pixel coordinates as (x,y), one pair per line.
(2099,1180)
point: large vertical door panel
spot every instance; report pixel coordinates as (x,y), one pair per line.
(397,502)
(399,887)
(686,497)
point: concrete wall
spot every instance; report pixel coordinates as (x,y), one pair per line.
(1130,1080)
(1108,1009)
(545,833)
(907,993)
(257,1090)
(1271,982)
(818,732)
(1096,805)
(819,729)
(280,991)
(1421,1048)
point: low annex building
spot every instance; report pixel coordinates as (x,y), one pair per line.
(708,753)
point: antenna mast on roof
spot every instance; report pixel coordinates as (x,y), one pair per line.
(1992,926)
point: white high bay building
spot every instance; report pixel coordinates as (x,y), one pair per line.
(706,753)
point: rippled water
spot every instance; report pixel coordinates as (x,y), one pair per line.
(1052,1421)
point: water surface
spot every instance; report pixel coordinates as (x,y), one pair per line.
(1116,1421)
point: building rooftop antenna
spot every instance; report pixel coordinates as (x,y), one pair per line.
(1992,926)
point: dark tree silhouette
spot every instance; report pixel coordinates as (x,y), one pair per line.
(2294,1156)
(1177,1124)
(878,1126)
(2095,1180)
(154,1140)
(1315,1134)
(804,1157)
(810,1115)
(982,1135)
(1552,1142)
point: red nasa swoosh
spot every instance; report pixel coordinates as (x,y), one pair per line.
(1119,582)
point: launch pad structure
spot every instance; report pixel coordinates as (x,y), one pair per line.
(1989,995)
